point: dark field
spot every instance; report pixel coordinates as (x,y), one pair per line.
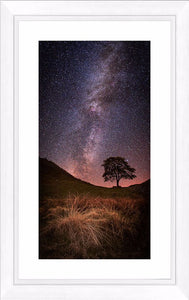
(80,220)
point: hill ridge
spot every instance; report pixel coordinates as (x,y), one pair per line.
(54,180)
(61,171)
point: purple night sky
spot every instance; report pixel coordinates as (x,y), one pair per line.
(94,102)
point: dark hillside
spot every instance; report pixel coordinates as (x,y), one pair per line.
(56,182)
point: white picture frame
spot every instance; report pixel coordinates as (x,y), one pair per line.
(176,287)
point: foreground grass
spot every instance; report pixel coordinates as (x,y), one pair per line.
(81,220)
(85,226)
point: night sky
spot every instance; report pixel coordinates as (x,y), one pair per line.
(94,102)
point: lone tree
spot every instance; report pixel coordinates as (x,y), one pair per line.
(116,168)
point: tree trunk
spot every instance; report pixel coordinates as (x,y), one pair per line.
(117,182)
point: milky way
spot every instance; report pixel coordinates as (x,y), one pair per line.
(94,102)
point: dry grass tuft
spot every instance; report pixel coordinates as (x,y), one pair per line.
(86,227)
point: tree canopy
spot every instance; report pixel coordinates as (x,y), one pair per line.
(116,168)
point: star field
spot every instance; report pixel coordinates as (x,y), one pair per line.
(94,102)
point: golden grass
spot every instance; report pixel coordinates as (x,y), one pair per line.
(86,227)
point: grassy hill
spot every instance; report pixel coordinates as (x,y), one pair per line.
(81,220)
(58,183)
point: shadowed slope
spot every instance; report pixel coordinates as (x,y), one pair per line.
(56,182)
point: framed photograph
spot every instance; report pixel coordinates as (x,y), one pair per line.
(94,150)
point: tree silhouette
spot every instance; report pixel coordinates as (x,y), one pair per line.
(116,168)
